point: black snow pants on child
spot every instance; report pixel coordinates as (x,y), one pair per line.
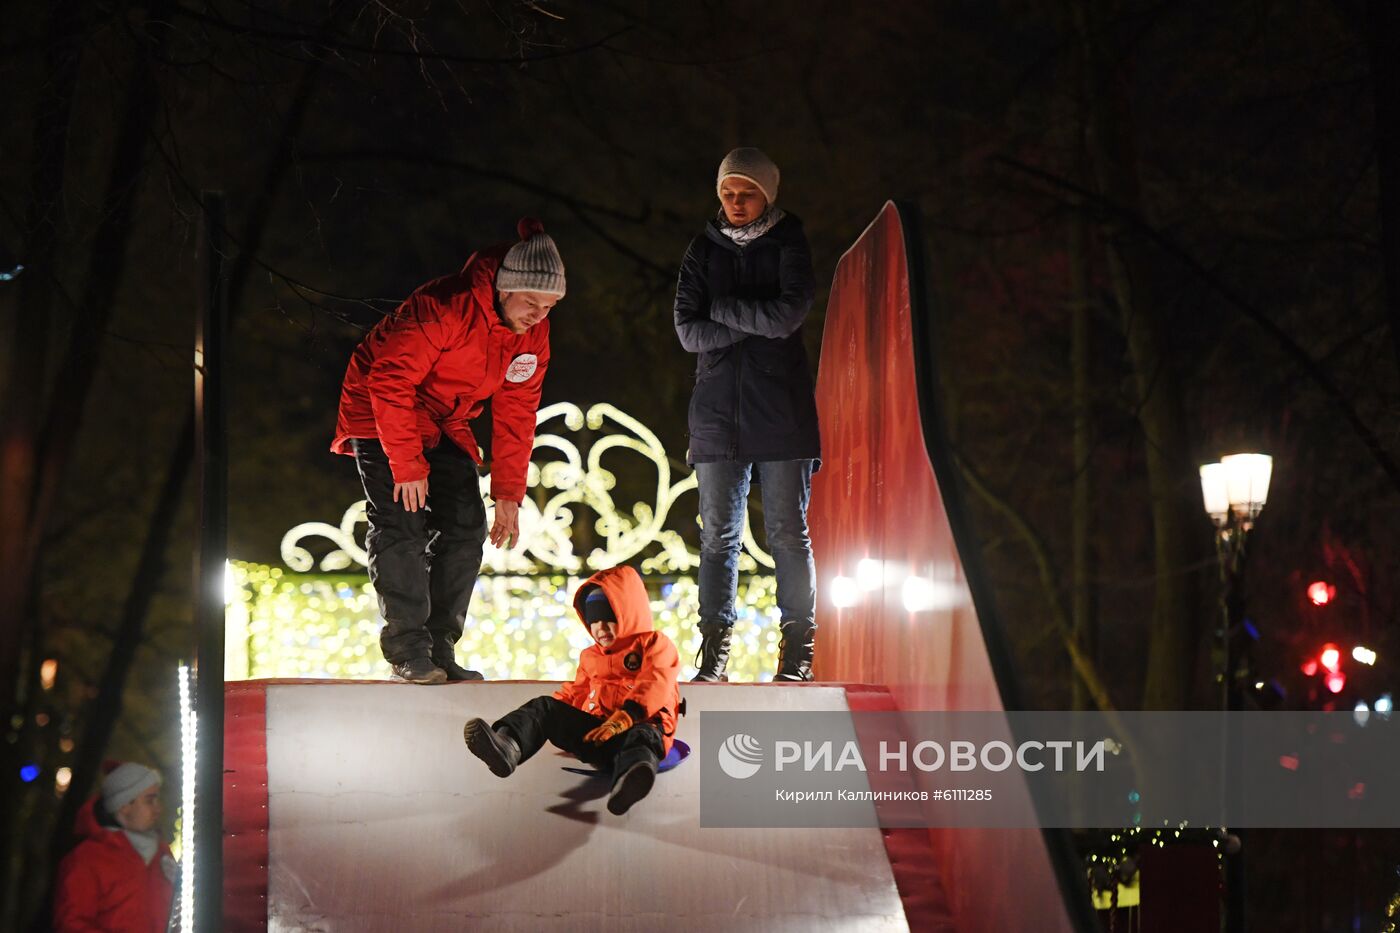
(545,718)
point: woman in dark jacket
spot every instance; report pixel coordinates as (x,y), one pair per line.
(745,288)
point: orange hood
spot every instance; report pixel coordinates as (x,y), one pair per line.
(627,594)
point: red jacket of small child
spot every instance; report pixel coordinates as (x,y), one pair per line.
(641,666)
(103,885)
(428,369)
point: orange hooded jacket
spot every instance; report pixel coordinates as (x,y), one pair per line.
(640,669)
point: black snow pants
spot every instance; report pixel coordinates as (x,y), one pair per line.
(546,718)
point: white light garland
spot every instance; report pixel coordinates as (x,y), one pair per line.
(546,531)
(185,921)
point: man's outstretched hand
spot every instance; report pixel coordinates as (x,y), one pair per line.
(506,528)
(415,494)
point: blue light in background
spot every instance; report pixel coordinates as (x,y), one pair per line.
(11,274)
(29,773)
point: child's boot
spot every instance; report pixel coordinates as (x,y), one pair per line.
(496,747)
(632,785)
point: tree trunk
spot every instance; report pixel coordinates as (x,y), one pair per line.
(106,706)
(106,267)
(1083,628)
(1383,34)
(51,451)
(26,332)
(1082,623)
(1160,410)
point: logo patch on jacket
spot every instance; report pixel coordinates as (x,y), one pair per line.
(522,367)
(633,661)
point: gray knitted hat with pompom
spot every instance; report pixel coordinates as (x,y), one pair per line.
(533,264)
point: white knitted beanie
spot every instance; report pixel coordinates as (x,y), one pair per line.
(125,783)
(748,162)
(533,264)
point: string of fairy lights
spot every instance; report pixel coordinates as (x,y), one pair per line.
(319,617)
(566,482)
(289,625)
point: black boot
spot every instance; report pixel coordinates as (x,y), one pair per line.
(445,658)
(419,671)
(632,785)
(714,653)
(496,747)
(795,651)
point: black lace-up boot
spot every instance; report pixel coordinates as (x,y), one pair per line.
(795,651)
(714,653)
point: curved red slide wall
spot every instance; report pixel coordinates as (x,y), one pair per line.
(894,604)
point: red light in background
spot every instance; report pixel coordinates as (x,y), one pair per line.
(1310,667)
(1331,656)
(1321,593)
(1335,682)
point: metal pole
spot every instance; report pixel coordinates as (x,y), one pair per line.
(1236,665)
(211,328)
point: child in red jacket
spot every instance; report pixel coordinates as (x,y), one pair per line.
(120,878)
(620,711)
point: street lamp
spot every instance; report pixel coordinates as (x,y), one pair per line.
(1234,491)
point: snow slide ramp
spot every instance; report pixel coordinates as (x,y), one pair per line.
(355,806)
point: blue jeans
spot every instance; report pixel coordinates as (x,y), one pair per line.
(786,486)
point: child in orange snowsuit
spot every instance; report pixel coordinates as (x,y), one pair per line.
(620,711)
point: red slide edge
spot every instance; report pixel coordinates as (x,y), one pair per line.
(245,808)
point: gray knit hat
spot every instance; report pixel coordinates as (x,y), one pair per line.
(125,783)
(533,264)
(748,162)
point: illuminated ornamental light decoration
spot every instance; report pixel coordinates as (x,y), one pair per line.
(320,618)
(185,919)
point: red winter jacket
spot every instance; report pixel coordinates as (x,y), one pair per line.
(104,886)
(639,669)
(429,368)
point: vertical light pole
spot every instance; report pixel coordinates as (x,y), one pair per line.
(211,330)
(1234,491)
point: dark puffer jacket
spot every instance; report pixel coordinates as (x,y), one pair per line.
(741,310)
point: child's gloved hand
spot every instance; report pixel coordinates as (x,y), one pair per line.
(616,724)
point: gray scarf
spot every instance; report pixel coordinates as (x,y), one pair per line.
(743,236)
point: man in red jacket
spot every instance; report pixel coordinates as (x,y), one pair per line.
(412,386)
(620,711)
(120,878)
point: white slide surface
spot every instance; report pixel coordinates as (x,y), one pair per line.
(379,819)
